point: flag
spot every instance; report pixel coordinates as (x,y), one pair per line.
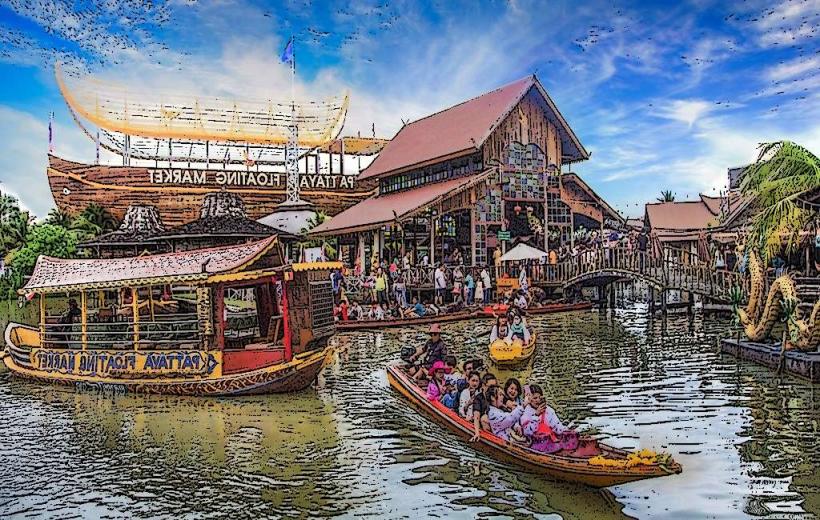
(50,133)
(287,54)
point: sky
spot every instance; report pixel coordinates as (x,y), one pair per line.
(665,95)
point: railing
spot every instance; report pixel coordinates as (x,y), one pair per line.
(152,334)
(672,269)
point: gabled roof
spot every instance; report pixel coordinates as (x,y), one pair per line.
(58,274)
(679,216)
(376,211)
(463,128)
(578,181)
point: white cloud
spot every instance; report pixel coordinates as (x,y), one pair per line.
(795,67)
(685,110)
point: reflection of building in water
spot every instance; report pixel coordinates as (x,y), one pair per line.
(479,175)
(175,149)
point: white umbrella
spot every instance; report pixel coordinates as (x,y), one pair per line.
(523,252)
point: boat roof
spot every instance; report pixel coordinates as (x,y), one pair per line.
(172,115)
(196,266)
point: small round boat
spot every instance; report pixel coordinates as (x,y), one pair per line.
(506,354)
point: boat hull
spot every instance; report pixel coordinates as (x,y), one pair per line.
(75,185)
(291,376)
(559,468)
(504,355)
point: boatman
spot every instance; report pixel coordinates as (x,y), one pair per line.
(434,350)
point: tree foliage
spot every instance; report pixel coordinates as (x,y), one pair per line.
(666,196)
(44,239)
(784,176)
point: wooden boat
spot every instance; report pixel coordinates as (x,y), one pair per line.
(504,354)
(550,308)
(564,468)
(406,322)
(276,343)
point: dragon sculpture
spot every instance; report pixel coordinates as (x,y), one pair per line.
(759,316)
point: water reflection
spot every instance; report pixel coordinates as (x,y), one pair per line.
(747,439)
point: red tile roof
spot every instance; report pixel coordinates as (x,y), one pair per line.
(58,273)
(688,215)
(378,210)
(459,129)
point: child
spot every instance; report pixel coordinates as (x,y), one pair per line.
(436,388)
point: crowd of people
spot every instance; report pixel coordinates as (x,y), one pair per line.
(513,411)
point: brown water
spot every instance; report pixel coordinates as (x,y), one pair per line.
(746,438)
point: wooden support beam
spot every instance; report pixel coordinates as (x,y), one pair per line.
(42,319)
(84,318)
(135,309)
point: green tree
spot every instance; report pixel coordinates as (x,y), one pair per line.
(14,224)
(44,239)
(318,218)
(100,217)
(781,181)
(58,218)
(666,196)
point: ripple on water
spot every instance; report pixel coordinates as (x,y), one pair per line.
(747,439)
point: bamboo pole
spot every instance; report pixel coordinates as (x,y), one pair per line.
(84,318)
(135,309)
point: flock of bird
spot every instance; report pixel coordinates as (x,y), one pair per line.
(103,33)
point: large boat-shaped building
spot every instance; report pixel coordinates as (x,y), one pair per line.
(174,150)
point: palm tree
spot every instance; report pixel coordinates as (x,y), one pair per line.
(101,217)
(58,218)
(782,180)
(666,196)
(318,218)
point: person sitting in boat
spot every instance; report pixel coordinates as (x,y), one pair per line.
(538,297)
(518,330)
(437,388)
(542,426)
(481,406)
(434,350)
(502,422)
(72,313)
(468,395)
(501,329)
(520,300)
(355,312)
(376,312)
(513,395)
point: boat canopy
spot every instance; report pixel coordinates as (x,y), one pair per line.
(201,266)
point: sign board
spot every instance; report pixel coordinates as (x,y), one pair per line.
(126,363)
(248,178)
(504,235)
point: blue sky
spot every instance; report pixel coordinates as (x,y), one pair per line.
(665,95)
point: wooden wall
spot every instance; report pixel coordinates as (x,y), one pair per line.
(526,123)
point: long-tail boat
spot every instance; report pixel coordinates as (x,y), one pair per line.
(221,321)
(600,466)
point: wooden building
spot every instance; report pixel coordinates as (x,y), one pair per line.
(482,174)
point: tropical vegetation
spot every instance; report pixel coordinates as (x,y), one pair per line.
(783,180)
(666,196)
(22,239)
(327,247)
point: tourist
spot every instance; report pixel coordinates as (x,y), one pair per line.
(520,300)
(523,283)
(469,287)
(458,283)
(481,405)
(518,330)
(514,396)
(440,284)
(468,395)
(355,312)
(380,286)
(400,291)
(436,388)
(416,310)
(501,421)
(500,330)
(425,261)
(433,350)
(405,262)
(456,258)
(486,282)
(543,427)
(478,292)
(376,312)
(343,311)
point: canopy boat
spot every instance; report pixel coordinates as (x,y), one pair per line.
(602,466)
(506,354)
(221,321)
(405,322)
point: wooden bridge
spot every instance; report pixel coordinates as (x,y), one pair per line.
(672,269)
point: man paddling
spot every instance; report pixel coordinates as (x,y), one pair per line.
(434,350)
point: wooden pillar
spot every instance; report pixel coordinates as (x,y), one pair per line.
(151,302)
(432,239)
(84,318)
(219,315)
(361,253)
(472,235)
(287,341)
(135,309)
(42,319)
